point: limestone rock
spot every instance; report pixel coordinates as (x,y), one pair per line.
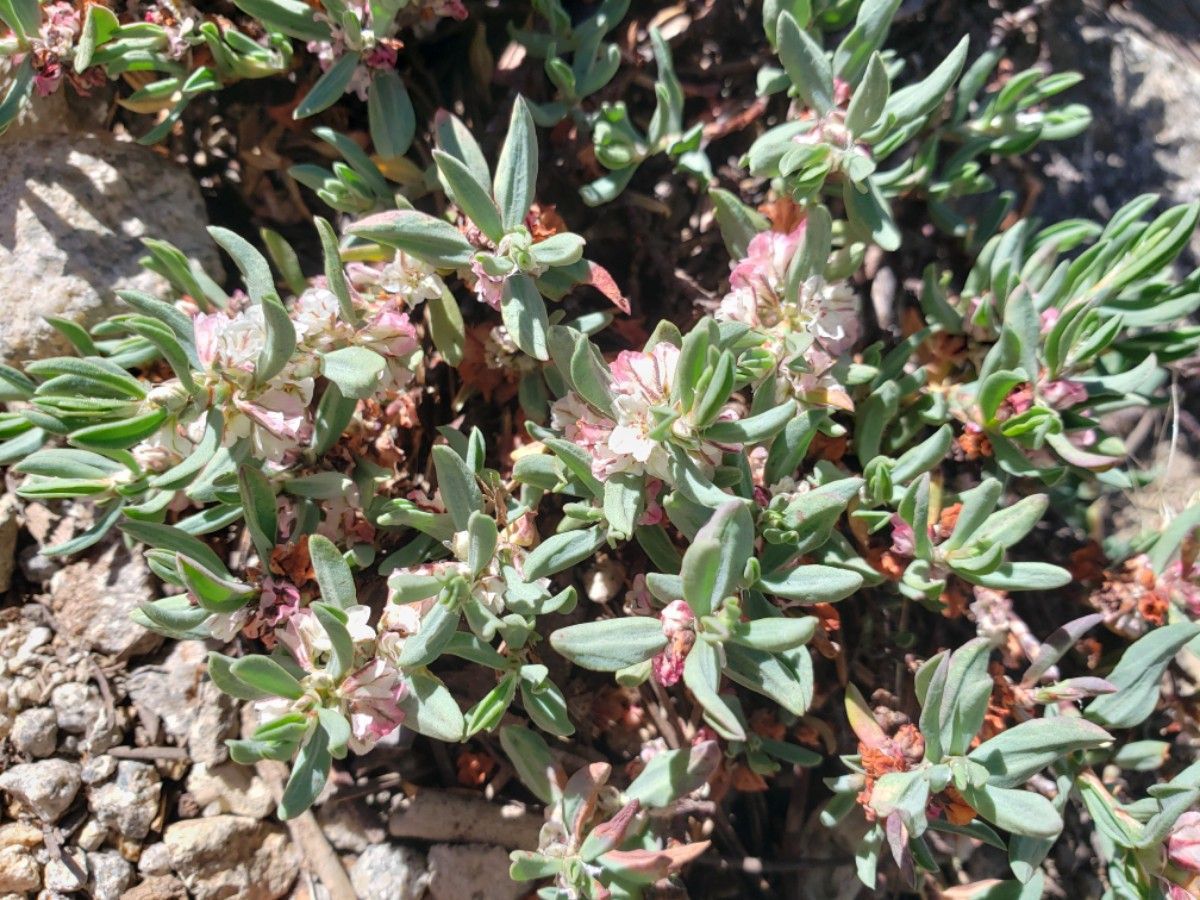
(471,872)
(111,874)
(230,788)
(158,887)
(93,598)
(46,788)
(128,805)
(191,708)
(35,732)
(389,872)
(232,856)
(74,210)
(19,871)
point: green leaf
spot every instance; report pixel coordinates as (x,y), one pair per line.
(702,675)
(738,222)
(561,551)
(393,122)
(293,17)
(524,315)
(546,706)
(223,678)
(333,620)
(430,709)
(258,502)
(610,644)
(754,429)
(1021,812)
(482,538)
(1017,754)
(335,275)
(24,17)
(531,758)
(714,564)
(674,774)
(330,87)
(517,168)
(775,633)
(355,370)
(264,674)
(1024,576)
(806,64)
(437,629)
(812,584)
(434,241)
(623,504)
(916,101)
(280,340)
(308,776)
(786,678)
(471,197)
(870,97)
(214,592)
(456,482)
(170,538)
(119,435)
(1138,676)
(446,327)
(333,573)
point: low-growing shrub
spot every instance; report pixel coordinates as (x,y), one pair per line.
(742,473)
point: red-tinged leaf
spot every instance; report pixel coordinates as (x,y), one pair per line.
(645,866)
(609,835)
(862,721)
(682,854)
(601,280)
(580,793)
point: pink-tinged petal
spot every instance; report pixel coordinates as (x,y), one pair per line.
(1183,845)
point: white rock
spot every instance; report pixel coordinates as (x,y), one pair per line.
(74,706)
(35,732)
(92,835)
(19,871)
(68,872)
(191,708)
(93,598)
(99,768)
(128,805)
(390,872)
(230,788)
(75,210)
(155,860)
(471,872)
(232,856)
(46,787)
(111,874)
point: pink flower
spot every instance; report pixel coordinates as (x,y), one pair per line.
(641,382)
(1183,845)
(278,602)
(1064,393)
(758,295)
(488,288)
(677,626)
(1048,319)
(768,255)
(382,56)
(370,698)
(1019,400)
(230,341)
(452,9)
(653,514)
(391,332)
(903,538)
